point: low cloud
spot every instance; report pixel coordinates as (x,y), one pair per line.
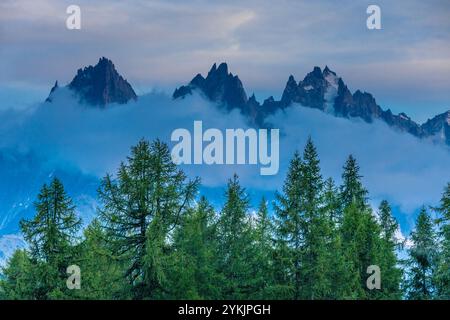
(396,166)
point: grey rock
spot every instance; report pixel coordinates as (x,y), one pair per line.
(100,85)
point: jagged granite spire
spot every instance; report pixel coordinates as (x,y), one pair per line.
(438,127)
(219,86)
(52,91)
(99,85)
(102,84)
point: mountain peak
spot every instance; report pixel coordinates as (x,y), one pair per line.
(223,69)
(320,89)
(438,127)
(102,84)
(327,72)
(53,89)
(219,86)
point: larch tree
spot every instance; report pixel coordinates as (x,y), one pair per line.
(422,257)
(443,272)
(236,245)
(140,207)
(52,235)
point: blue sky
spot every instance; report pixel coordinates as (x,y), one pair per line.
(162,44)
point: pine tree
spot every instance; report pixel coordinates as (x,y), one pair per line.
(263,233)
(352,189)
(306,231)
(421,262)
(193,270)
(236,248)
(102,273)
(18,281)
(289,236)
(51,235)
(316,229)
(443,272)
(331,203)
(391,274)
(53,229)
(140,208)
(359,239)
(360,232)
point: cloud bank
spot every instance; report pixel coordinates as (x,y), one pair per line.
(396,166)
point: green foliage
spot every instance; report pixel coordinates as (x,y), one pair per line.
(101,270)
(194,272)
(443,272)
(139,209)
(391,273)
(421,263)
(51,235)
(150,241)
(308,246)
(236,250)
(17,282)
(352,189)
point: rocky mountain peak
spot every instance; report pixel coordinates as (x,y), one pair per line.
(219,86)
(438,127)
(52,91)
(320,89)
(100,85)
(327,72)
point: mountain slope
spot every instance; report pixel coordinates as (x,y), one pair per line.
(439,127)
(22,176)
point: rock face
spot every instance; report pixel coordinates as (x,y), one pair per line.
(218,86)
(223,88)
(52,91)
(439,127)
(322,90)
(100,85)
(310,92)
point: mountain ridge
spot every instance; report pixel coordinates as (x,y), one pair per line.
(324,90)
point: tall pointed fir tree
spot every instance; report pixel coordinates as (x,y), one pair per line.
(193,271)
(360,233)
(236,248)
(263,233)
(422,258)
(352,189)
(391,274)
(331,203)
(307,244)
(139,209)
(339,275)
(289,234)
(51,235)
(443,272)
(316,230)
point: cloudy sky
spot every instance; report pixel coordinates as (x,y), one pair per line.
(162,44)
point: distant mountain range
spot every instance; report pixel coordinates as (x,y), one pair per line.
(322,90)
(101,85)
